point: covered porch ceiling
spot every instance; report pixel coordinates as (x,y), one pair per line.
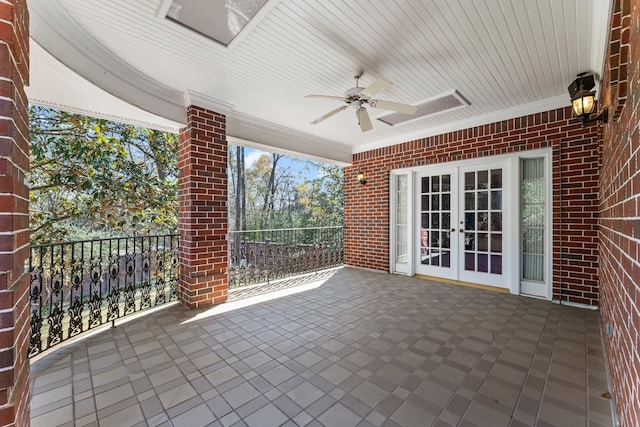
(125,60)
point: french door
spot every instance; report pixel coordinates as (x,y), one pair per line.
(484,221)
(461,218)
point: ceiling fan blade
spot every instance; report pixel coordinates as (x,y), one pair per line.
(394,106)
(376,87)
(338,98)
(363,120)
(329,114)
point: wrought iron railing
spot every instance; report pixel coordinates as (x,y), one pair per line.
(77,286)
(264,255)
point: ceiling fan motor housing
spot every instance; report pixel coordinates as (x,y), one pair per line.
(358,97)
(353,94)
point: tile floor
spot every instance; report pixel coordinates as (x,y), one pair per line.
(355,349)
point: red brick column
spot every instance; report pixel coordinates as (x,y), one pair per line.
(15,394)
(619,223)
(202,216)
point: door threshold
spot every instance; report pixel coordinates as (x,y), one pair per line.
(466,284)
(524,294)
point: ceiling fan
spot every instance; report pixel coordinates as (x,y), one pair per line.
(358,97)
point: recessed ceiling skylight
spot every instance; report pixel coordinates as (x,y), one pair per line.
(220,20)
(440,104)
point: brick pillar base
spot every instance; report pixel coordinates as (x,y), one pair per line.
(202,217)
(15,395)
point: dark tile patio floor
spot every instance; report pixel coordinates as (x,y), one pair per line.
(354,349)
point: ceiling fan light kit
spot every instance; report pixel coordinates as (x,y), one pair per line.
(358,97)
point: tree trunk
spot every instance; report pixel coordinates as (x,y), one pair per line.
(241,194)
(270,192)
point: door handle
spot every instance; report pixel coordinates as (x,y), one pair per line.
(453,230)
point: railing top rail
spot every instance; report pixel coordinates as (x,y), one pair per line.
(333,227)
(106,239)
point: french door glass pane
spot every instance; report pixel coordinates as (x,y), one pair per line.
(446,220)
(496,243)
(446,259)
(469,261)
(496,221)
(483,180)
(446,239)
(469,201)
(483,200)
(483,263)
(470,181)
(496,178)
(532,202)
(496,264)
(446,183)
(469,221)
(496,199)
(483,221)
(483,242)
(435,184)
(425,185)
(446,202)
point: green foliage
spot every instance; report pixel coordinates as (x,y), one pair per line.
(276,197)
(322,198)
(93,178)
(96,175)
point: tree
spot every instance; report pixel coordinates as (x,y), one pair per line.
(240,193)
(275,197)
(96,174)
(323,198)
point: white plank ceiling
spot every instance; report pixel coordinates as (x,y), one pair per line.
(506,57)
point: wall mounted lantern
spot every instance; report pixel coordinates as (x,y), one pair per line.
(361,178)
(583,99)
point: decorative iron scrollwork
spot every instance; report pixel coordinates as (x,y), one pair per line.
(160,291)
(113,308)
(75,316)
(173,289)
(95,291)
(95,310)
(145,295)
(73,284)
(129,299)
(55,325)
(35,343)
(131,265)
(173,281)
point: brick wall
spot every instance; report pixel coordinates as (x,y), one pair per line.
(620,211)
(575,189)
(202,215)
(14,214)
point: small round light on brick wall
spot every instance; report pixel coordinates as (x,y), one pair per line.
(583,99)
(362,179)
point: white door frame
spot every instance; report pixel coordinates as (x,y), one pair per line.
(547,154)
(511,272)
